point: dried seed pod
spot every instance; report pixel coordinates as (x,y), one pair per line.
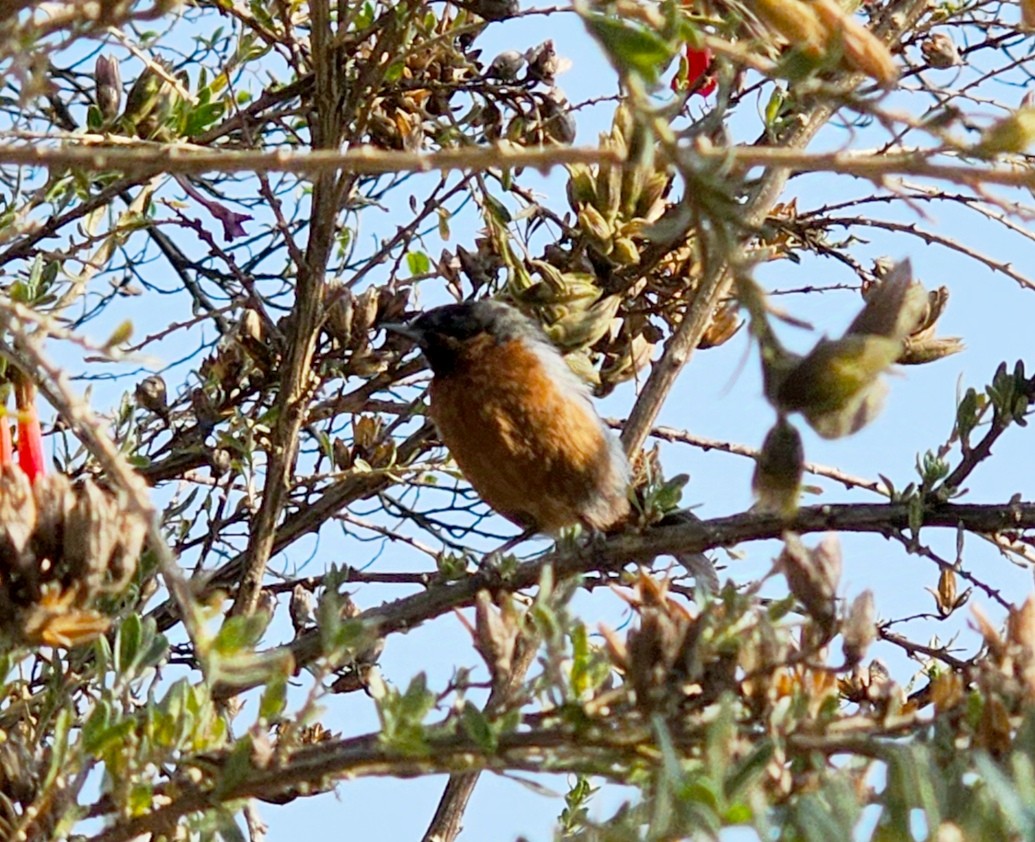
(656,648)
(497,631)
(543,63)
(940,52)
(812,576)
(556,119)
(107,86)
(724,324)
(338,321)
(18,519)
(153,396)
(90,538)
(860,627)
(132,532)
(894,306)
(506,66)
(301,609)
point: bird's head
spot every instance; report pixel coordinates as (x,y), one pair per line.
(450,334)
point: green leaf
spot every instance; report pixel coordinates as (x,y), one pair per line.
(418,263)
(274,697)
(632,49)
(59,747)
(95,726)
(477,727)
(127,643)
(967,414)
(497,209)
(240,633)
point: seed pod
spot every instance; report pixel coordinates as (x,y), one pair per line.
(506,66)
(779,470)
(90,538)
(107,87)
(152,395)
(724,324)
(543,62)
(939,51)
(927,349)
(894,305)
(556,119)
(300,609)
(812,576)
(860,628)
(17,525)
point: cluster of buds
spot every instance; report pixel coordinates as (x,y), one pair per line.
(1008,670)
(246,353)
(512,96)
(574,290)
(655,657)
(615,203)
(351,319)
(673,659)
(151,103)
(62,545)
(812,577)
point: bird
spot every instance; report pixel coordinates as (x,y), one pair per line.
(518,422)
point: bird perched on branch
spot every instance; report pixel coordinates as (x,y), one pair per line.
(517,421)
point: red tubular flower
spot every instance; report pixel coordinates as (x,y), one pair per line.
(30,435)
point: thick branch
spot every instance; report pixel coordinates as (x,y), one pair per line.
(882,518)
(364,160)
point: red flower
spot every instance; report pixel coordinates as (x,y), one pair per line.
(30,435)
(30,446)
(696,79)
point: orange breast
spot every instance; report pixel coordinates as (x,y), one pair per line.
(535,454)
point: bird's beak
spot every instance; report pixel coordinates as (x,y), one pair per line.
(410,332)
